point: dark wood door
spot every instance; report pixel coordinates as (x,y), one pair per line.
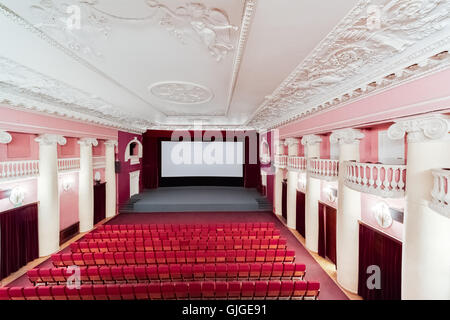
(330,233)
(284,199)
(300,216)
(99,202)
(322,251)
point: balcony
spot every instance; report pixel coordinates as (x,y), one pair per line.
(384,180)
(440,195)
(18,169)
(68,164)
(296,163)
(281,161)
(325,169)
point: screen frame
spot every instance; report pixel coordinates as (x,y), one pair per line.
(198,181)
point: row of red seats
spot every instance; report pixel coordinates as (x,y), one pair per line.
(178,235)
(295,290)
(172,272)
(177,245)
(169,257)
(176,227)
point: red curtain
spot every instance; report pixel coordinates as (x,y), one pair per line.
(252,173)
(150,165)
(18,239)
(376,248)
(99,202)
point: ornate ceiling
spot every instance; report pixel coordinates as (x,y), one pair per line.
(176,64)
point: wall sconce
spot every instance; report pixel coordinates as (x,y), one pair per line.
(301,184)
(382,214)
(331,193)
(17,196)
(97,177)
(67,184)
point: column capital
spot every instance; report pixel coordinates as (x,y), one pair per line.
(111,143)
(88,142)
(420,129)
(50,139)
(5,137)
(291,141)
(311,139)
(346,136)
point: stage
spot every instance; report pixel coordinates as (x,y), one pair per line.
(195,198)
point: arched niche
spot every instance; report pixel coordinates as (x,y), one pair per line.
(133,151)
(264,151)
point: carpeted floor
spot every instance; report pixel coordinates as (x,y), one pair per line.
(328,288)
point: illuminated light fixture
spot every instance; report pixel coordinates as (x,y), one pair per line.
(17,196)
(382,214)
(331,193)
(301,181)
(67,184)
(97,177)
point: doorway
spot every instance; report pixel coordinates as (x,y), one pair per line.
(327,232)
(284,199)
(300,213)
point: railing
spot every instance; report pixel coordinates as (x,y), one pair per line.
(440,194)
(99,162)
(19,169)
(324,169)
(281,161)
(66,164)
(297,163)
(385,180)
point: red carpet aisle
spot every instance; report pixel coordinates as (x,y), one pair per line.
(328,289)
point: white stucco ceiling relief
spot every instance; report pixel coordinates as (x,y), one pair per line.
(141,64)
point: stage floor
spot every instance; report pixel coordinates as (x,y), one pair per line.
(188,199)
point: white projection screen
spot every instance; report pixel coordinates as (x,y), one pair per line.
(202,159)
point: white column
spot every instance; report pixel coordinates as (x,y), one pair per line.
(279,174)
(348,212)
(312,150)
(291,200)
(86,185)
(48,195)
(5,137)
(110,174)
(426,241)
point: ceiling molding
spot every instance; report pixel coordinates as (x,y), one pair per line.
(355,59)
(24,88)
(181,92)
(247,18)
(16,18)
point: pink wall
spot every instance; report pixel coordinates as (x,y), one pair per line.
(323,194)
(29,186)
(431,93)
(125,167)
(325,147)
(68,200)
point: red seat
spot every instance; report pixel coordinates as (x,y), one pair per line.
(200,256)
(240,255)
(208,290)
(150,257)
(163,272)
(231,256)
(72,293)
(289,256)
(140,257)
(286,290)
(160,257)
(187,272)
(180,257)
(232,271)
(270,255)
(288,271)
(99,291)
(93,247)
(279,255)
(170,257)
(243,271)
(119,257)
(181,290)
(273,244)
(141,292)
(30,293)
(282,244)
(88,259)
(299,290)
(221,271)
(255,271)
(83,247)
(140,273)
(99,258)
(195,290)
(154,290)
(109,258)
(105,274)
(46,275)
(260,255)
(113,292)
(117,273)
(57,260)
(248,290)
(198,271)
(74,247)
(129,274)
(264,245)
(58,292)
(16,293)
(86,292)
(256,244)
(313,290)
(210,271)
(277,270)
(266,270)
(273,289)
(33,276)
(246,244)
(220,256)
(250,256)
(127,292)
(129,258)
(234,290)
(210,256)
(94,274)
(152,273)
(168,290)
(44,293)
(221,291)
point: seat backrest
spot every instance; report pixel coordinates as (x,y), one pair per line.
(248,288)
(234,289)
(113,292)
(273,288)
(286,288)
(299,289)
(127,292)
(30,293)
(86,292)
(99,291)
(195,290)
(181,290)
(16,293)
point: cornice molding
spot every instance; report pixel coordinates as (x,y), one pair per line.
(354,60)
(420,129)
(346,136)
(50,139)
(291,141)
(311,139)
(88,142)
(5,137)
